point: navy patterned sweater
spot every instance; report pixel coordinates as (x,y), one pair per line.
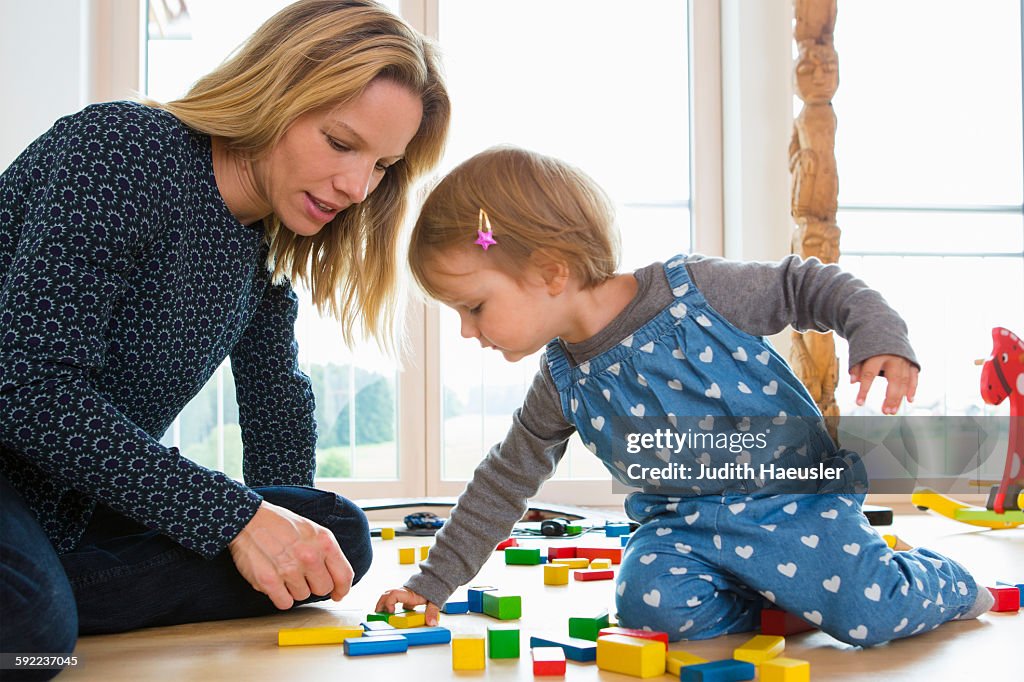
(124,283)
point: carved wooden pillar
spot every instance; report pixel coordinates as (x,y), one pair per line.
(815,185)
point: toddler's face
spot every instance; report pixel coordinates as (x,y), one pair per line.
(513,315)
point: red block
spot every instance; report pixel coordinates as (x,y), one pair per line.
(1007,599)
(613,553)
(638,634)
(561,553)
(511,542)
(548,660)
(594,574)
(781,623)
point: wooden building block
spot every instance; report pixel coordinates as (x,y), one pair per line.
(613,553)
(1019,586)
(638,634)
(676,660)
(385,644)
(468,653)
(387,533)
(476,597)
(556,574)
(456,606)
(601,574)
(782,623)
(380,615)
(408,619)
(631,656)
(785,670)
(614,529)
(522,556)
(561,553)
(587,627)
(502,606)
(759,649)
(624,540)
(728,670)
(420,636)
(1007,599)
(548,660)
(581,650)
(573,563)
(424,552)
(505,544)
(503,641)
(326,635)
(601,563)
(406,555)
(378,626)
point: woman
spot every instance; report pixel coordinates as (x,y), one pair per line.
(140,245)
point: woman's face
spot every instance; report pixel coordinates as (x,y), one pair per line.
(334,157)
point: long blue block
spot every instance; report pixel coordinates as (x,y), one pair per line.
(616,529)
(383,644)
(576,649)
(457,606)
(476,597)
(419,636)
(729,670)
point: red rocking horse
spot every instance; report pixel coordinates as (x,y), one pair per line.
(1002,376)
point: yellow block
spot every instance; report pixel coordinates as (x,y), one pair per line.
(424,551)
(785,670)
(468,652)
(601,563)
(631,656)
(408,619)
(759,649)
(387,533)
(302,636)
(406,555)
(556,574)
(572,563)
(890,540)
(674,660)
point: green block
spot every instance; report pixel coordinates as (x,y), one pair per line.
(503,606)
(573,530)
(587,628)
(503,641)
(378,616)
(521,556)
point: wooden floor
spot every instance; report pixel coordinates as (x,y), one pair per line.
(247,649)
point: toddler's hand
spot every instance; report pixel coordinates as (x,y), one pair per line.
(391,598)
(900,374)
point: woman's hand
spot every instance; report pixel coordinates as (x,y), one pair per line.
(390,599)
(900,373)
(288,557)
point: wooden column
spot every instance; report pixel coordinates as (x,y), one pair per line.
(815,185)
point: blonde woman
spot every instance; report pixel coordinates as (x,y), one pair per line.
(141,244)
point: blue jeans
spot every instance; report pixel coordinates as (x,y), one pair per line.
(123,576)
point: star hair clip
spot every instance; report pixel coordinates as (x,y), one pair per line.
(484,233)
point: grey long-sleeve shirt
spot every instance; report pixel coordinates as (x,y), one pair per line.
(758,298)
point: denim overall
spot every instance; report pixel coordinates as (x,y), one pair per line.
(710,552)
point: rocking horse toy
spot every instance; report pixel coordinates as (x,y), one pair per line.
(1002,377)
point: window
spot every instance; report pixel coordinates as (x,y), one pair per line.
(931,171)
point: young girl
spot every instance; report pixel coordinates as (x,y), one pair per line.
(523,248)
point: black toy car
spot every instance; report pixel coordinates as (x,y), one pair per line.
(421,520)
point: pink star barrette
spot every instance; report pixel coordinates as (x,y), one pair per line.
(484,233)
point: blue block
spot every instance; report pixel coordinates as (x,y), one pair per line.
(616,529)
(378,625)
(624,539)
(419,636)
(457,606)
(581,650)
(543,559)
(382,644)
(729,670)
(476,597)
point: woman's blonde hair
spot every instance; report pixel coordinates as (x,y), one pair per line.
(535,203)
(313,54)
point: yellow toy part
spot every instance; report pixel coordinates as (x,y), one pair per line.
(943,505)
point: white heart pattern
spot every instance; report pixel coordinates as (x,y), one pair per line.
(678,310)
(693,517)
(664,455)
(703,321)
(678,354)
(707,423)
(621,588)
(683,548)
(787,569)
(647,559)
(628,341)
(597,422)
(903,623)
(763,357)
(874,592)
(573,403)
(743,388)
(813,617)
(686,626)
(737,507)
(585,367)
(831,514)
(662,532)
(614,368)
(746,551)
(859,632)
(638,410)
(790,508)
(810,540)
(772,388)
(675,384)
(648,347)
(706,355)
(678,570)
(607,394)
(640,379)
(832,584)
(713,392)
(680,290)
(718,541)
(740,354)
(852,548)
(652,598)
